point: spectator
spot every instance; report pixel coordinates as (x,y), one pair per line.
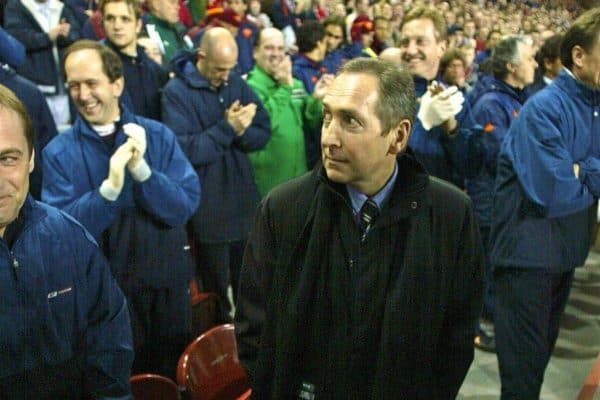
(362,34)
(258,17)
(492,38)
(445,137)
(549,64)
(513,68)
(335,37)
(45,28)
(125,178)
(65,327)
(308,64)
(163,26)
(452,69)
(331,307)
(383,34)
(544,210)
(291,109)
(218,120)
(144,78)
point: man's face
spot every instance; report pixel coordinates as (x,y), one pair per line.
(382,30)
(455,73)
(96,98)
(421,50)
(524,72)
(354,151)
(333,36)
(167,10)
(15,166)
(367,39)
(120,25)
(469,29)
(590,66)
(216,67)
(239,6)
(493,39)
(271,50)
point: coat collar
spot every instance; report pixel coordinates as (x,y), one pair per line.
(570,84)
(409,194)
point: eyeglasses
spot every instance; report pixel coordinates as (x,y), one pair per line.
(332,35)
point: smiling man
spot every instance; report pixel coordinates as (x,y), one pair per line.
(64,326)
(445,137)
(126,179)
(294,113)
(362,279)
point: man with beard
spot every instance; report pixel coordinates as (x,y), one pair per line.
(290,108)
(144,78)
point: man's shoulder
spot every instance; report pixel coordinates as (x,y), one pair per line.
(443,194)
(295,193)
(55,223)
(64,142)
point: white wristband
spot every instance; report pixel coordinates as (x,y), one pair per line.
(141,172)
(108,191)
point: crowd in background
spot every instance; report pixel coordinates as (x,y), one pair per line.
(234,88)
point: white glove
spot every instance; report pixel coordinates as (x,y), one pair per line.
(437,109)
(137,165)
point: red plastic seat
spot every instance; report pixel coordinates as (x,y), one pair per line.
(153,387)
(210,369)
(591,383)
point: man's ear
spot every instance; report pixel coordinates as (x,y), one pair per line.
(577,55)
(399,137)
(32,161)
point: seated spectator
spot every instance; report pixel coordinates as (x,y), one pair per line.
(65,327)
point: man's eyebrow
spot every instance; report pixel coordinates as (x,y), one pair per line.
(11,151)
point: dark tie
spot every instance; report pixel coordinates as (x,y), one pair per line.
(368,213)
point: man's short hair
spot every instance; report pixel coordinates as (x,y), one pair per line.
(308,35)
(135,4)
(111,63)
(506,51)
(449,56)
(430,13)
(583,32)
(550,50)
(9,101)
(336,20)
(396,100)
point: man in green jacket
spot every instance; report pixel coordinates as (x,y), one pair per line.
(163,26)
(292,110)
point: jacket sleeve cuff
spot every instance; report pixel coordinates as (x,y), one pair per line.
(108,191)
(141,172)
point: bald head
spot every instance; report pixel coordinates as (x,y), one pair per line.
(393,55)
(269,50)
(217,55)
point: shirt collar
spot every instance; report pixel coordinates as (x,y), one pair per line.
(358,199)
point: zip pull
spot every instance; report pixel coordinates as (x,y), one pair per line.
(15,264)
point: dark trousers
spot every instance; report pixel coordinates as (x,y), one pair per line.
(161,325)
(529,304)
(488,278)
(218,265)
